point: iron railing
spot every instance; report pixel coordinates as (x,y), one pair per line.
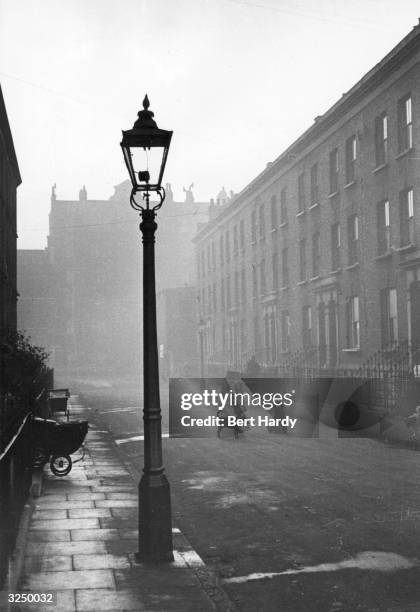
(15,480)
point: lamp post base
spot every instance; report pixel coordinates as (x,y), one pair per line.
(155,524)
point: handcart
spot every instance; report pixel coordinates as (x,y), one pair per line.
(55,442)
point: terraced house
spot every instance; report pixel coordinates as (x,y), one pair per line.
(317,260)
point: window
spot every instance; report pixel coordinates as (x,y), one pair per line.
(227,246)
(283,206)
(200,264)
(228,293)
(262,276)
(285,267)
(383,227)
(301,193)
(316,254)
(406,217)
(335,246)
(242,234)
(351,153)
(389,319)
(275,271)
(307,326)
(208,257)
(254,281)
(285,331)
(222,294)
(405,124)
(243,336)
(381,140)
(235,240)
(253,226)
(353,323)
(352,238)
(322,334)
(243,285)
(314,185)
(273,212)
(222,250)
(236,288)
(214,298)
(302,260)
(262,221)
(333,171)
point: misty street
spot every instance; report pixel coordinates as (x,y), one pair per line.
(210,306)
(268,503)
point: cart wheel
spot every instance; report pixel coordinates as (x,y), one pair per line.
(60,465)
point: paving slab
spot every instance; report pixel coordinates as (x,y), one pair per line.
(123,495)
(128,502)
(122,547)
(70,548)
(66,602)
(78,535)
(65,504)
(51,581)
(48,535)
(86,496)
(49,513)
(50,563)
(82,523)
(108,561)
(106,599)
(89,512)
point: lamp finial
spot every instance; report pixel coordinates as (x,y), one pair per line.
(146,102)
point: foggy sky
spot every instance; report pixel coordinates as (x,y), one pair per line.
(236,80)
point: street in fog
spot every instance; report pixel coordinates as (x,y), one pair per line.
(268,503)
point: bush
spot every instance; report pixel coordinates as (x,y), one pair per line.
(23,366)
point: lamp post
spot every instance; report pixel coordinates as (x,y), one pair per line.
(145,148)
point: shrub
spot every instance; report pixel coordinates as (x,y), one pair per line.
(23,367)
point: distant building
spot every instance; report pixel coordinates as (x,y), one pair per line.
(9,181)
(35,312)
(317,260)
(176,315)
(93,264)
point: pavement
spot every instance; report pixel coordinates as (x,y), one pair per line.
(82,541)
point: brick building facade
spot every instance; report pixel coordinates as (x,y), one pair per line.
(9,181)
(318,259)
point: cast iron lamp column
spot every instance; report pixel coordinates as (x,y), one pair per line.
(155,523)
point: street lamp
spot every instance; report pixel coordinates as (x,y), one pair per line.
(145,148)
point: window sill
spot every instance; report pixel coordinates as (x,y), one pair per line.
(283,224)
(314,278)
(403,153)
(352,266)
(350,184)
(285,288)
(333,194)
(336,271)
(406,247)
(273,230)
(385,255)
(302,282)
(351,350)
(379,168)
(300,213)
(313,206)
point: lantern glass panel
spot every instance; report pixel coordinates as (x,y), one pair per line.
(147,159)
